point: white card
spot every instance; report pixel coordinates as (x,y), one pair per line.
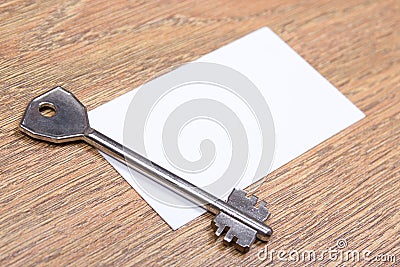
(305,107)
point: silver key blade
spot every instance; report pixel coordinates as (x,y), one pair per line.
(238,233)
(68,122)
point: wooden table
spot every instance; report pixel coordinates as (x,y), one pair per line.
(65,205)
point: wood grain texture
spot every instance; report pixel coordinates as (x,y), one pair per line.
(65,205)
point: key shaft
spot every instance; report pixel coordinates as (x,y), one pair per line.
(171,181)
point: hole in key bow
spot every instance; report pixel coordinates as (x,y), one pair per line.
(47,109)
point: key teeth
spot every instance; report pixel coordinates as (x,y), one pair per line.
(236,193)
(239,193)
(240,200)
(237,233)
(242,247)
(218,224)
(241,243)
(253,199)
(228,237)
(263,212)
(219,229)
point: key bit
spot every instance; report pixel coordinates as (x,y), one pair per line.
(238,233)
(242,235)
(238,217)
(246,204)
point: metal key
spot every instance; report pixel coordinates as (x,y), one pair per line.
(238,217)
